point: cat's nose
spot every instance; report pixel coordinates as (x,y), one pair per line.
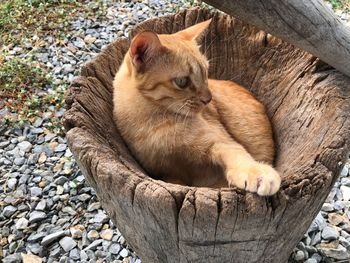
(205,97)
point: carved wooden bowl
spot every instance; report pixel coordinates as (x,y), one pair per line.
(309,105)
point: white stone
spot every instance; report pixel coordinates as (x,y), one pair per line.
(330,233)
(41,205)
(52,237)
(29,258)
(21,224)
(299,255)
(36,216)
(345,190)
(327,207)
(67,243)
(11,183)
(345,170)
(124,253)
(59,190)
(25,146)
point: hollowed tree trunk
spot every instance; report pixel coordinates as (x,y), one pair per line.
(308,103)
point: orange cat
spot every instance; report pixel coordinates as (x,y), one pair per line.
(185,128)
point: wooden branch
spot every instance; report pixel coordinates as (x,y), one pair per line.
(307,24)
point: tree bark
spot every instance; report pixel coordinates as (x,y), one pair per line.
(309,105)
(307,24)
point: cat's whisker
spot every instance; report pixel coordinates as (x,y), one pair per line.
(213,58)
(167,111)
(221,42)
(210,44)
(178,112)
(163,119)
(185,120)
(188,111)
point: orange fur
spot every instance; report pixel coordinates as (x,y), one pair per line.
(179,135)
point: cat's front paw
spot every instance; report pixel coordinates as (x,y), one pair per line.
(255,177)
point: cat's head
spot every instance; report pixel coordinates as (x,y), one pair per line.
(170,70)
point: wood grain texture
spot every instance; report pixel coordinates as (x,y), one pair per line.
(309,105)
(309,25)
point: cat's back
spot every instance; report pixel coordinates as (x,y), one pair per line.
(243,117)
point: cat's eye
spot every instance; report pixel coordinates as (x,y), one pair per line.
(182,82)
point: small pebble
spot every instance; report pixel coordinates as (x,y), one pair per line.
(299,255)
(36,191)
(52,237)
(41,205)
(311,260)
(330,233)
(11,183)
(25,146)
(67,243)
(9,210)
(21,223)
(124,253)
(107,234)
(36,216)
(93,235)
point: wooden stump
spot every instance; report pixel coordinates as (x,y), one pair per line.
(309,105)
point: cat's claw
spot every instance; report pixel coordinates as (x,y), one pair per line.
(256,177)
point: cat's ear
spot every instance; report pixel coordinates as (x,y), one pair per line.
(144,49)
(195,32)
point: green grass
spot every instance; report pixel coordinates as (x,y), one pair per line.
(23,19)
(24,82)
(340,4)
(18,75)
(21,83)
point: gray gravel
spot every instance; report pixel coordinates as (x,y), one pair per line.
(49,211)
(328,237)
